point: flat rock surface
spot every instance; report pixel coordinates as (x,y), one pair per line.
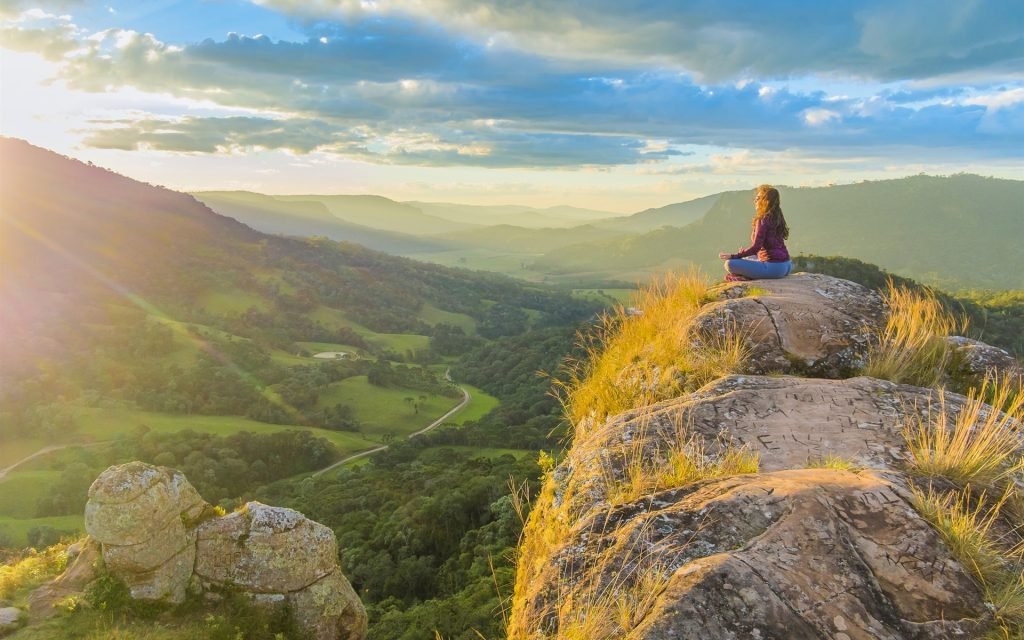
(809,553)
(806,323)
(789,422)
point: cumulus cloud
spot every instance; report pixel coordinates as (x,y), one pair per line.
(372,81)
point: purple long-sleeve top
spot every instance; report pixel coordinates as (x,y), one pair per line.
(766,242)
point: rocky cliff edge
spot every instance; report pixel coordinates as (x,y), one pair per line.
(788,552)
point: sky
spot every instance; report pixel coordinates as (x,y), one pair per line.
(605,104)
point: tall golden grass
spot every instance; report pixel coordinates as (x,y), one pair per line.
(636,360)
(979,451)
(912,349)
(685,458)
(970,527)
(980,446)
(631,362)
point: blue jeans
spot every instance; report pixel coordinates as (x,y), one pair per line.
(757,270)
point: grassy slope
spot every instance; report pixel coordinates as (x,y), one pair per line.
(104,424)
(382,411)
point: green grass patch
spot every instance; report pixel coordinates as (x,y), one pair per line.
(14,450)
(106,424)
(317,347)
(513,264)
(282,357)
(480,404)
(232,302)
(397,342)
(17,528)
(382,410)
(432,315)
(21,490)
(607,296)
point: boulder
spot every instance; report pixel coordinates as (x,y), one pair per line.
(974,360)
(265,550)
(788,552)
(807,323)
(167,582)
(131,503)
(162,539)
(329,608)
(10,619)
(142,515)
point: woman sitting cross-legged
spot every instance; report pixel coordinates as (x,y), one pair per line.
(768,241)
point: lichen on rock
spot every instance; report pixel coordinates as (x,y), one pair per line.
(162,539)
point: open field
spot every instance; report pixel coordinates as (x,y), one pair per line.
(17,528)
(607,296)
(16,449)
(20,491)
(512,264)
(104,424)
(19,495)
(480,404)
(382,411)
(231,302)
(432,315)
(398,342)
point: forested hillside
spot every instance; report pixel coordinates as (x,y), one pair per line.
(132,309)
(955,232)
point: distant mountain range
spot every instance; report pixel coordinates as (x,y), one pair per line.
(959,231)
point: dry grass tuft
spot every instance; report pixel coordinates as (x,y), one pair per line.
(912,349)
(966,529)
(634,361)
(838,463)
(971,532)
(980,447)
(690,461)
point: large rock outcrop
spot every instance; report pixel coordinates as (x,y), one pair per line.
(790,552)
(160,537)
(808,323)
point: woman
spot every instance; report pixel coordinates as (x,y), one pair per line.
(768,241)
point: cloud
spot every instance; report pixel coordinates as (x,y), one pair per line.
(390,89)
(885,39)
(393,146)
(212,135)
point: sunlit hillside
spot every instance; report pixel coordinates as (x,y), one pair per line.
(957,232)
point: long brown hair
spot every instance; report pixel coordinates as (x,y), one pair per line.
(766,206)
